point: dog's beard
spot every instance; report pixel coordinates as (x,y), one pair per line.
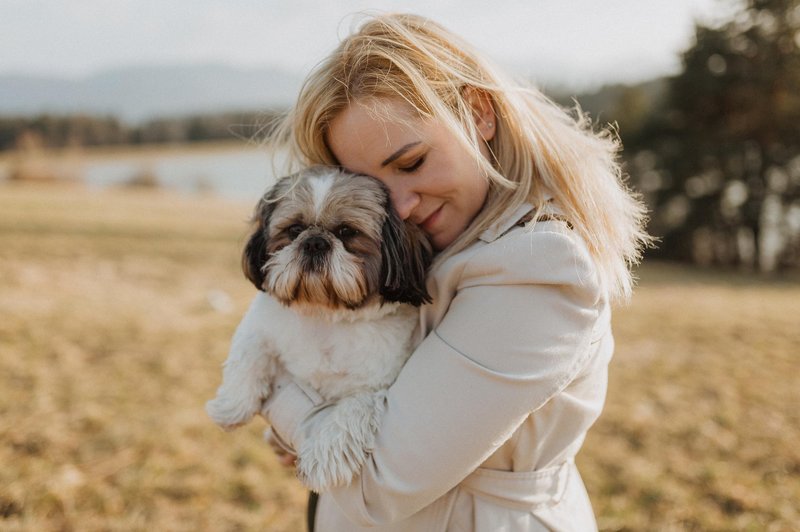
(337,279)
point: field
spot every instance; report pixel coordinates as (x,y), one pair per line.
(116,309)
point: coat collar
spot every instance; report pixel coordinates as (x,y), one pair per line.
(508,220)
(505,222)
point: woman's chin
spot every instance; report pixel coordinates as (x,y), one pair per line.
(440,241)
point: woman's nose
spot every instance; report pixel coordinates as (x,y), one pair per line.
(404,201)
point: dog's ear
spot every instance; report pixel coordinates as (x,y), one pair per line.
(255,252)
(405,257)
(254,256)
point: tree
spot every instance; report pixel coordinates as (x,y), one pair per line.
(728,142)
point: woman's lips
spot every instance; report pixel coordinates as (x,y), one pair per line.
(428,223)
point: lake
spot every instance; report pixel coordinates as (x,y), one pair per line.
(237,173)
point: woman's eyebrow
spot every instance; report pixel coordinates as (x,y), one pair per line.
(399,152)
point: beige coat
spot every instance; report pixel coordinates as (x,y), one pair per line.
(482,425)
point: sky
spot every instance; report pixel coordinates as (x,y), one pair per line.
(570,43)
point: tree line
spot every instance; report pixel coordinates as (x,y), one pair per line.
(60,131)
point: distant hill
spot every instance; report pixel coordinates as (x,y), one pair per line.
(140,93)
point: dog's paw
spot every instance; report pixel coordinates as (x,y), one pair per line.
(322,467)
(341,444)
(231,414)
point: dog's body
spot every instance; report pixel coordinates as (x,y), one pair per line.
(342,275)
(355,351)
(363,350)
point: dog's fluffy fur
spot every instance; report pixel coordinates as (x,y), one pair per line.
(341,276)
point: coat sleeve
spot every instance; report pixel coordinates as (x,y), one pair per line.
(516,333)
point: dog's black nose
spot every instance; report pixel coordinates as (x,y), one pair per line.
(315,245)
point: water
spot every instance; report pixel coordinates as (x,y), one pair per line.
(236,173)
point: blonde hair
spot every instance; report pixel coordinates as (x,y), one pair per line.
(538,147)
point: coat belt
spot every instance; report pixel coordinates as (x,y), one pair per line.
(520,490)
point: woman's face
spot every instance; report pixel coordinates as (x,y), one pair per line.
(433,180)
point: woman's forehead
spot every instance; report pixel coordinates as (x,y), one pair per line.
(383,113)
(373,129)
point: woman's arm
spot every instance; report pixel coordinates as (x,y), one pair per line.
(516,333)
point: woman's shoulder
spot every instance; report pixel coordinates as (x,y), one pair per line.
(535,247)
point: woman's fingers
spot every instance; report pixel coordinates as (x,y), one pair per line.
(287,460)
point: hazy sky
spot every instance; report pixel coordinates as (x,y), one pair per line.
(569,42)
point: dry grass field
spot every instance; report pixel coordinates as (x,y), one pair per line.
(116,309)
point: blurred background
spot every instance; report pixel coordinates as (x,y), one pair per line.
(130,161)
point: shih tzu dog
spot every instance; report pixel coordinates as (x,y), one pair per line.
(340,275)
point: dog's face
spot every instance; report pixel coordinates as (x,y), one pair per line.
(329,238)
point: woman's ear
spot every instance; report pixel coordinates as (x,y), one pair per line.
(482,111)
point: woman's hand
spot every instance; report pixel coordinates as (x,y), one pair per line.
(285,456)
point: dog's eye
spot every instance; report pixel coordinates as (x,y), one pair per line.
(345,231)
(294,230)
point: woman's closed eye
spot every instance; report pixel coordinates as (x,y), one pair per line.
(413,166)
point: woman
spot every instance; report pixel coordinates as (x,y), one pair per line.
(536,233)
